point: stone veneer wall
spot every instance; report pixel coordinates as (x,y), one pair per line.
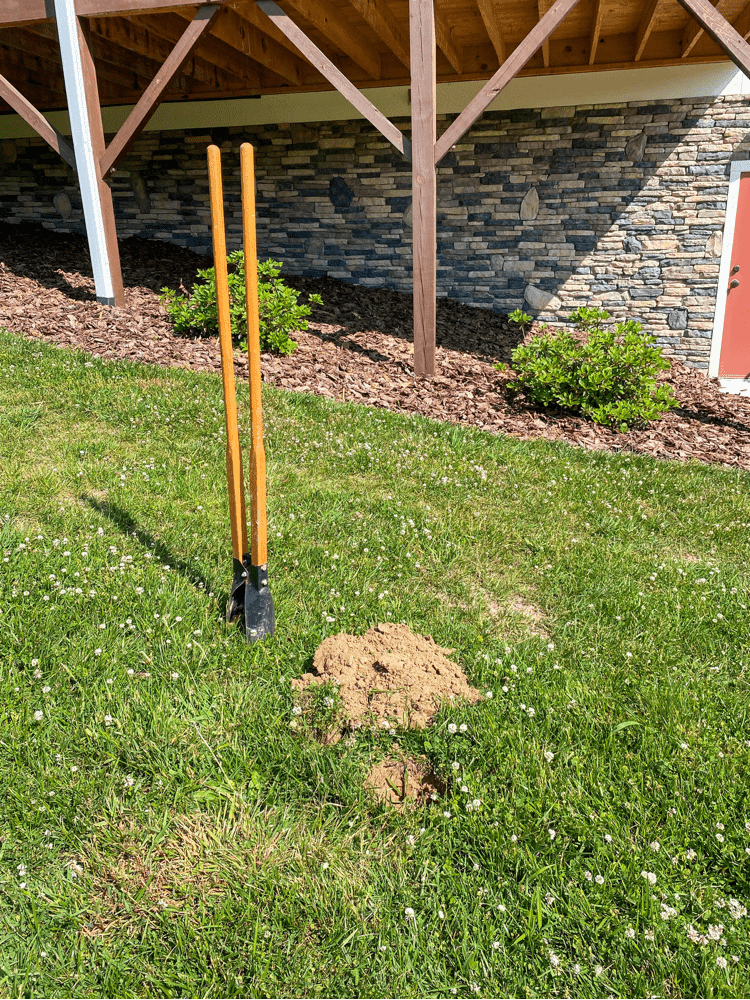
(621,206)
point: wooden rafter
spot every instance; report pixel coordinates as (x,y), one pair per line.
(134,35)
(723,33)
(509,69)
(323,64)
(327,19)
(543,6)
(492,19)
(41,40)
(381,21)
(240,34)
(444,40)
(645,27)
(596,30)
(693,32)
(147,105)
(742,24)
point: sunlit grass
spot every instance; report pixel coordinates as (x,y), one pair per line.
(165,832)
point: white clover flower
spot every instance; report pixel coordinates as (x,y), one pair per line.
(549,756)
(649,934)
(655,845)
(496,946)
(38,715)
(552,833)
(588,876)
(721,961)
(599,880)
(409,913)
(630,933)
(452,727)
(690,854)
(446,814)
(650,877)
(598,970)
(463,727)
(720,837)
(455,765)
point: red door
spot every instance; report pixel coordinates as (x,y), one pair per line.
(734,359)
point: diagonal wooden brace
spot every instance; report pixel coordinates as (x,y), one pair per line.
(151,97)
(509,69)
(717,27)
(38,122)
(323,64)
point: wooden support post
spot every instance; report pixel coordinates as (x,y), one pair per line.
(88,143)
(424,181)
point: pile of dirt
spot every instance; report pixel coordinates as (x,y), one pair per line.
(398,782)
(389,676)
(359,347)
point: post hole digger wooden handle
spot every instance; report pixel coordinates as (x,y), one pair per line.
(259,609)
(237,514)
(250,595)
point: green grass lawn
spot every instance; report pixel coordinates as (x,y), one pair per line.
(165,831)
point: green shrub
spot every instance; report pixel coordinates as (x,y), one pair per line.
(278,308)
(609,377)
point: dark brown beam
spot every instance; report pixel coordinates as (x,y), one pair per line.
(492,18)
(694,32)
(742,24)
(645,27)
(424,182)
(444,41)
(26,11)
(246,37)
(596,30)
(509,69)
(323,64)
(152,96)
(717,27)
(327,19)
(543,6)
(41,39)
(118,35)
(37,121)
(381,21)
(91,90)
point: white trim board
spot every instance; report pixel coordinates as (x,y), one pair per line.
(737,168)
(566,90)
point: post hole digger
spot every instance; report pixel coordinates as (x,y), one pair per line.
(250,597)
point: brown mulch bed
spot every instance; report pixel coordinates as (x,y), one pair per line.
(359,347)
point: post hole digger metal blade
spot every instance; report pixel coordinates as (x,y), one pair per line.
(250,597)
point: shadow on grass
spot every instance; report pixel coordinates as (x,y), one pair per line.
(125,523)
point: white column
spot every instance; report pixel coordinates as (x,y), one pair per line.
(88,171)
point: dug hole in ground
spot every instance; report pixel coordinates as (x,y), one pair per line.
(388,678)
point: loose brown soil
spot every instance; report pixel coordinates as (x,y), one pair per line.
(359,347)
(389,676)
(404,782)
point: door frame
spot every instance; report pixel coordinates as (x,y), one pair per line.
(737,168)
